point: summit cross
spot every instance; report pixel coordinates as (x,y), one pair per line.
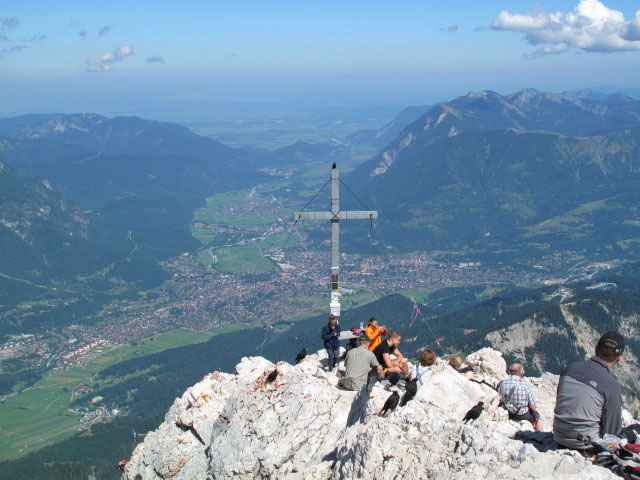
(335,215)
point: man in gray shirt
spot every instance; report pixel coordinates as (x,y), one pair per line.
(589,398)
(359,363)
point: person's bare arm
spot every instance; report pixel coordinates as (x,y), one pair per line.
(387,360)
(398,355)
(532,406)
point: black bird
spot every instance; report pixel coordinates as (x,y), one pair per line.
(301,355)
(410,391)
(474,413)
(272,376)
(391,403)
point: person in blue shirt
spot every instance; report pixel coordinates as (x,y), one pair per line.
(518,397)
(331,337)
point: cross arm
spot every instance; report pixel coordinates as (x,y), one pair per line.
(342,215)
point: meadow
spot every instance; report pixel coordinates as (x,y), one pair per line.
(40,415)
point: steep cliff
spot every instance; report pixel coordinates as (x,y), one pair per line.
(302,427)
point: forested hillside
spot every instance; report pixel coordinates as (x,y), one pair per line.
(528,173)
(113,198)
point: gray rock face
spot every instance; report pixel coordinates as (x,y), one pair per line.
(301,426)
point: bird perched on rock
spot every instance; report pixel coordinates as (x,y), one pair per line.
(410,391)
(301,355)
(391,403)
(272,376)
(474,413)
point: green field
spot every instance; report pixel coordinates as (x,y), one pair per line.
(357,299)
(210,213)
(321,299)
(419,296)
(488,292)
(245,257)
(239,251)
(40,414)
(249,257)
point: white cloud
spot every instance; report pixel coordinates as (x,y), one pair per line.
(632,30)
(453,28)
(104,31)
(548,50)
(155,59)
(104,62)
(82,33)
(591,27)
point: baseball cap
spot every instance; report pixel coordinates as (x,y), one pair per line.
(611,342)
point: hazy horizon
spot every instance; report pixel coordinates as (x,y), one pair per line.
(160,59)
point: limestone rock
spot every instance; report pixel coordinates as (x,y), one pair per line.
(301,426)
(488,363)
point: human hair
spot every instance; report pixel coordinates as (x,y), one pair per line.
(373,319)
(606,355)
(394,334)
(427,358)
(516,369)
(332,317)
(455,362)
(364,339)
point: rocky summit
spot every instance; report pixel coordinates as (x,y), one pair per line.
(301,426)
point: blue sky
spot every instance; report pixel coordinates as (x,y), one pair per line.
(111,56)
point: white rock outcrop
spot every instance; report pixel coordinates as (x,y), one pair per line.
(302,427)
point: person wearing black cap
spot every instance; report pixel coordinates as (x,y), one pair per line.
(589,397)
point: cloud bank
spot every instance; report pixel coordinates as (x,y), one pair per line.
(104,62)
(591,27)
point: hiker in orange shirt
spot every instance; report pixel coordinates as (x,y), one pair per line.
(374,332)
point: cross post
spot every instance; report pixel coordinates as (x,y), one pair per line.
(335,215)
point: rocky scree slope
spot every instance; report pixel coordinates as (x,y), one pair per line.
(302,427)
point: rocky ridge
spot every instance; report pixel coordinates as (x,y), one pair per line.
(302,427)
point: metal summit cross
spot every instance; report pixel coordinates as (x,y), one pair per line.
(335,215)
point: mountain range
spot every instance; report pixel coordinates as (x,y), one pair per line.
(128,187)
(128,174)
(486,170)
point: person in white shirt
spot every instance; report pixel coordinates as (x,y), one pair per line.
(422,370)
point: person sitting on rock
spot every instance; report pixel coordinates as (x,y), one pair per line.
(374,332)
(385,349)
(589,398)
(456,363)
(518,398)
(331,337)
(422,370)
(362,367)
